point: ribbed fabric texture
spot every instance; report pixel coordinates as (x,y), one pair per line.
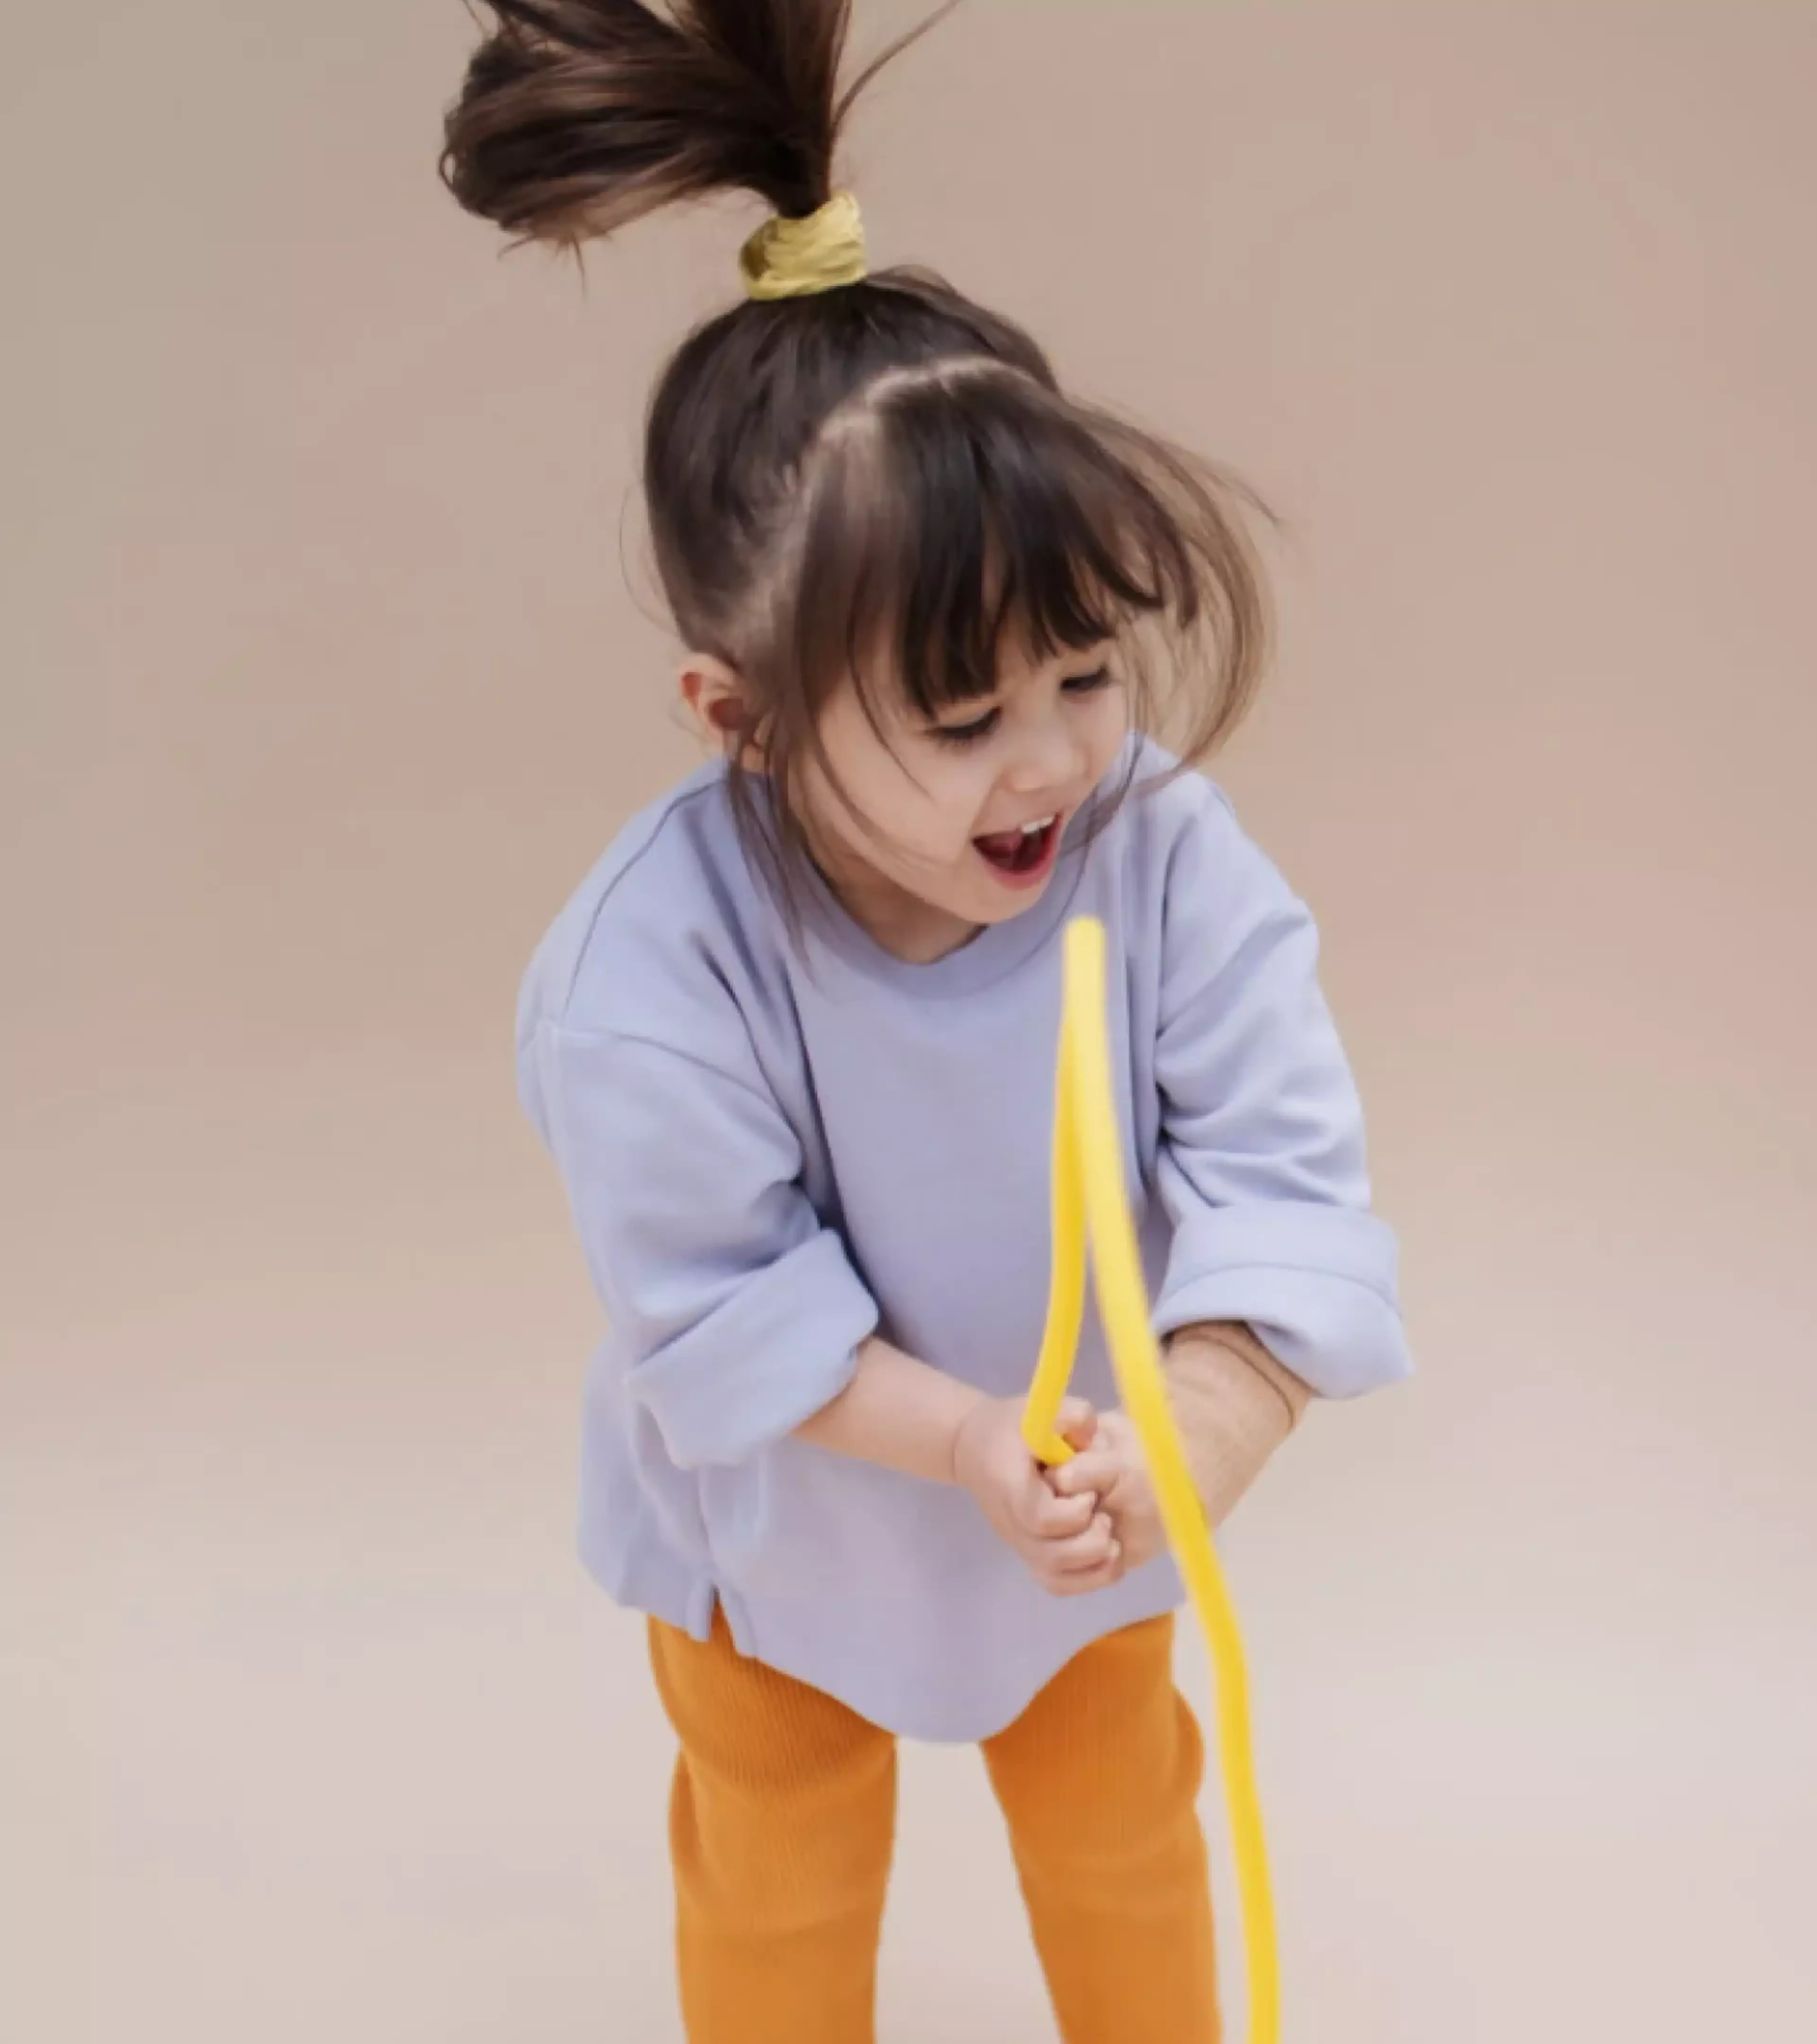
(782,1822)
(1234,1405)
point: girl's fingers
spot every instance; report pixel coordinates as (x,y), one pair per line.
(1052,1518)
(1077,1423)
(1089,1550)
(1079,1582)
(1093,1472)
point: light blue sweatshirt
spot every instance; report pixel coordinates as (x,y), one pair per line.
(773,1149)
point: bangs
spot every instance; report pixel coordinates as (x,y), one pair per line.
(968,513)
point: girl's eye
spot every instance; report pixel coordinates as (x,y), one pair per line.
(1088,684)
(969,734)
(980,727)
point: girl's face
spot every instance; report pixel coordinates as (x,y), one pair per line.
(965,815)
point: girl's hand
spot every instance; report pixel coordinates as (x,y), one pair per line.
(1069,1545)
(1110,1469)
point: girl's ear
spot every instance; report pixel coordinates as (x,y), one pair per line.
(718,700)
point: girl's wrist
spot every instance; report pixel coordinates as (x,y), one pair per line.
(967,1408)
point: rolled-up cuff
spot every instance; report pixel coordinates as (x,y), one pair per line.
(783,1345)
(1319,1284)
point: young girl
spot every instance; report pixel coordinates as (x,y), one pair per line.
(791,1045)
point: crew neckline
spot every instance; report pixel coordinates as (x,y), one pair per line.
(997,951)
(829,930)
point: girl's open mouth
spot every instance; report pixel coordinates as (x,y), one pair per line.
(1022,858)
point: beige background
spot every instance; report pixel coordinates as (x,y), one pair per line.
(322,685)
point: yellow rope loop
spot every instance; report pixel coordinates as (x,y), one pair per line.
(1091,1208)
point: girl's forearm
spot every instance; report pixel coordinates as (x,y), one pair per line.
(1234,1405)
(1233,1336)
(904,1414)
(899,1413)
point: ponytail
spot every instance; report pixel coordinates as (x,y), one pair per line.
(577,117)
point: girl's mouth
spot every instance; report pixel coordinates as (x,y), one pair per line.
(1025,857)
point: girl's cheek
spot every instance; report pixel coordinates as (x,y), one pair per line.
(980,785)
(950,792)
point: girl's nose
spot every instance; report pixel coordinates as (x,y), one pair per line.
(1049,759)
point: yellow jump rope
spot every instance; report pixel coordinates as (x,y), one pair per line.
(1091,1202)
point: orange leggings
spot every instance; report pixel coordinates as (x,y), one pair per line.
(782,1820)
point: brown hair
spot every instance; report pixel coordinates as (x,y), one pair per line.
(883,482)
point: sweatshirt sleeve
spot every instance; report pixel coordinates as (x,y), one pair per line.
(1262,1162)
(741,1312)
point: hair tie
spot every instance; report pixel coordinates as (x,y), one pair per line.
(793,259)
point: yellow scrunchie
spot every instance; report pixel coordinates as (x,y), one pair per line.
(792,258)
